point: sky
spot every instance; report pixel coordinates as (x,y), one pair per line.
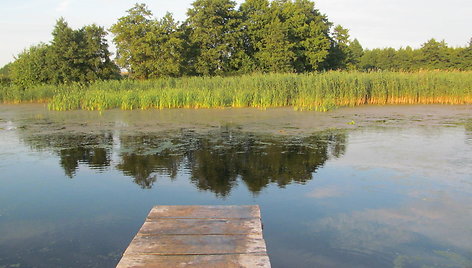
(375,23)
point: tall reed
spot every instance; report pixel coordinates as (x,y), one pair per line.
(314,91)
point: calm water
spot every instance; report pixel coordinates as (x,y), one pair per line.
(355,197)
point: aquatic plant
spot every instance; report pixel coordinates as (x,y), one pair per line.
(314,91)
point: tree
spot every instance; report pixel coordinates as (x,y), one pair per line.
(72,56)
(133,38)
(466,57)
(255,16)
(285,36)
(5,74)
(168,48)
(434,55)
(356,52)
(308,33)
(80,55)
(149,48)
(340,53)
(214,35)
(32,66)
(65,51)
(96,56)
(274,50)
(406,59)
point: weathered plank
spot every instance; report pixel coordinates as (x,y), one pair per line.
(201,226)
(199,236)
(196,261)
(197,244)
(204,212)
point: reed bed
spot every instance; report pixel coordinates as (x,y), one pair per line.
(314,91)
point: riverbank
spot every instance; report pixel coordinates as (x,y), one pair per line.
(316,91)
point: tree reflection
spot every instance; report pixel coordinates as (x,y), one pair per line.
(96,158)
(92,150)
(216,161)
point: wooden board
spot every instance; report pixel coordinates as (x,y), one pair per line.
(199,236)
(202,226)
(196,261)
(205,212)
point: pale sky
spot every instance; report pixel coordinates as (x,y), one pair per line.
(375,23)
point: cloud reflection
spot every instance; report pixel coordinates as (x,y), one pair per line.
(443,220)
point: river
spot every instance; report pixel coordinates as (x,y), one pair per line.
(372,186)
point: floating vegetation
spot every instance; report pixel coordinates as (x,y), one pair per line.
(315,91)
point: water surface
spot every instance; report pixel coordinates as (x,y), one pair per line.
(363,187)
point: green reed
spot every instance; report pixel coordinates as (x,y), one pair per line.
(314,91)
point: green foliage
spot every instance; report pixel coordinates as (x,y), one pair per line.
(465,55)
(432,55)
(356,53)
(73,56)
(5,70)
(340,53)
(314,91)
(274,50)
(148,48)
(219,39)
(435,55)
(5,75)
(214,36)
(285,36)
(80,55)
(168,57)
(32,66)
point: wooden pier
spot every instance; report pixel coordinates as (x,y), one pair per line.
(199,236)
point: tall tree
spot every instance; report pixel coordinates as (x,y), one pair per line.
(134,35)
(308,33)
(255,16)
(5,74)
(274,50)
(167,44)
(96,57)
(340,53)
(32,66)
(434,55)
(466,57)
(65,52)
(215,35)
(80,55)
(285,36)
(356,54)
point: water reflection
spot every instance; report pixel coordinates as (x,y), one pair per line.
(92,150)
(397,198)
(215,161)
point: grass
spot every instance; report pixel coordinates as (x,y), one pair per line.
(315,91)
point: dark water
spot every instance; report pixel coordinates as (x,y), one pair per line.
(368,197)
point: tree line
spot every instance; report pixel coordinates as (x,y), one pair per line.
(254,160)
(433,55)
(79,55)
(218,38)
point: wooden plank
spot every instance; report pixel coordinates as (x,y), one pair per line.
(197,244)
(199,236)
(204,212)
(196,261)
(201,226)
